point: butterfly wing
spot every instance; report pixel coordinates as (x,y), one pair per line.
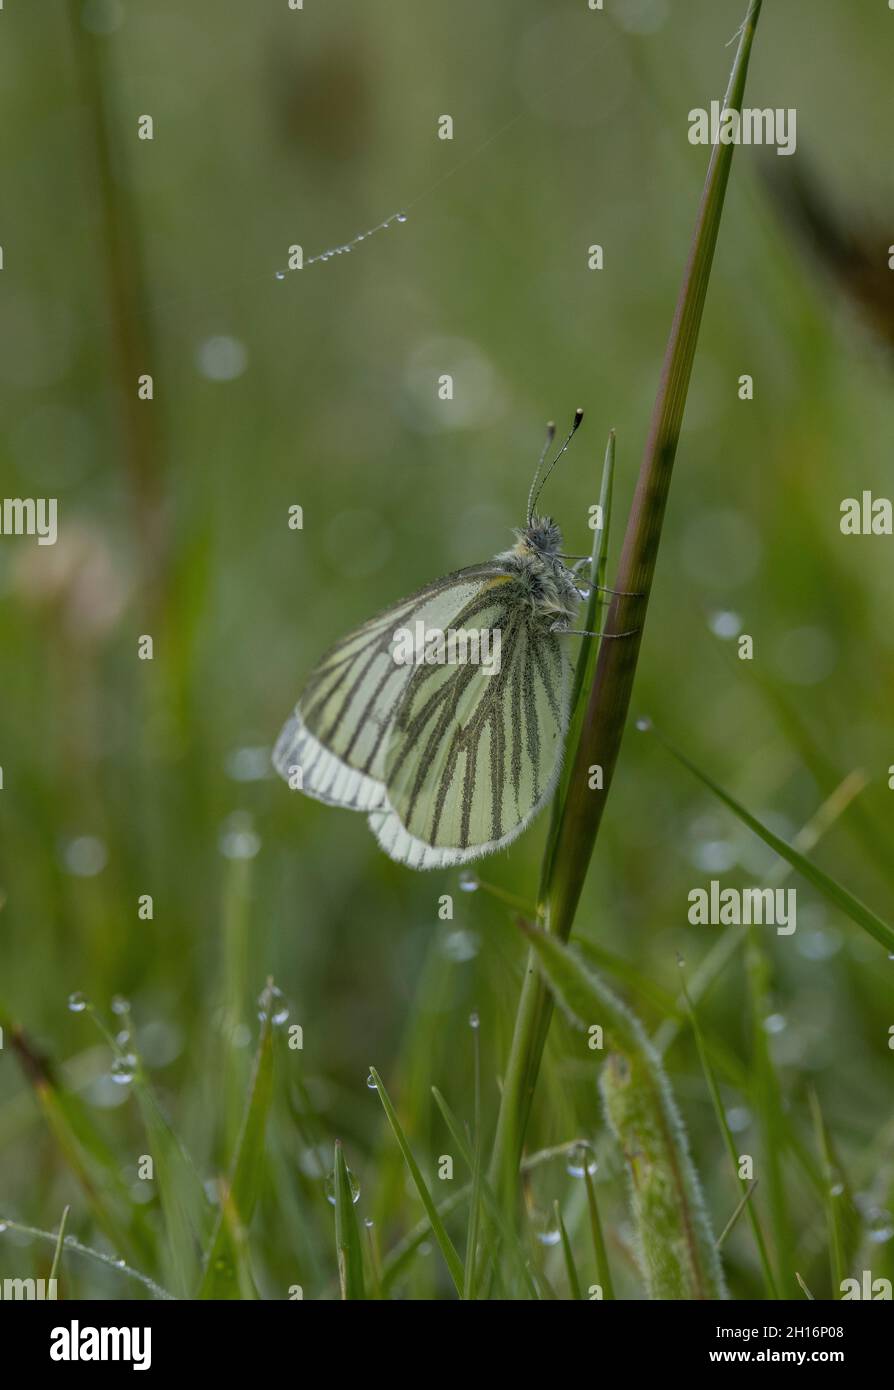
(338,733)
(472,757)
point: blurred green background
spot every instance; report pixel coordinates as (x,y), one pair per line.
(124,777)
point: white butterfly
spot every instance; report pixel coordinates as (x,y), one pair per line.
(449,761)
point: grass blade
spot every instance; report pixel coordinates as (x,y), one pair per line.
(720,1112)
(347,1232)
(833,891)
(226,1273)
(448,1249)
(73,1246)
(677,1248)
(57,1253)
(833,1193)
(603,1270)
(608,699)
(505,1227)
(570,1267)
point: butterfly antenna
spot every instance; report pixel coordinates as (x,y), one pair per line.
(550,436)
(532,495)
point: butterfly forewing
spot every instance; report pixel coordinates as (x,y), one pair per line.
(339,732)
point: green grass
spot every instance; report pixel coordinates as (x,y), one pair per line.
(124,778)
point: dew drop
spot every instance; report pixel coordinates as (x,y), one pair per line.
(280,275)
(549,1236)
(474,1021)
(644,724)
(879,1226)
(3,1227)
(371,1083)
(123,1069)
(120,1005)
(468,881)
(837,1189)
(401,217)
(352,1183)
(580,1162)
(77,1002)
(272,1004)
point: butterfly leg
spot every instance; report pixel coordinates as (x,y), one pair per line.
(584,632)
(584,562)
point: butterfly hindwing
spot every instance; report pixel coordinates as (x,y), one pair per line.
(473,756)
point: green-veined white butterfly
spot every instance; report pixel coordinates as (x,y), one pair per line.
(448,761)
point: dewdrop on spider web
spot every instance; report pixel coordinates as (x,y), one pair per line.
(347,246)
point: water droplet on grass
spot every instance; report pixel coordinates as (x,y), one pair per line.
(474,1021)
(280,275)
(272,1004)
(468,881)
(879,1226)
(123,1069)
(76,1002)
(581,1161)
(352,1183)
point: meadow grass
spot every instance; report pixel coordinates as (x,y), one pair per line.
(275,1172)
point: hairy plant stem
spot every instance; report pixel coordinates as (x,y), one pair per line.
(579,809)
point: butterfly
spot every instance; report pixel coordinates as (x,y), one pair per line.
(449,758)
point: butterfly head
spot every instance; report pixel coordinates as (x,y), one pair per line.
(541,534)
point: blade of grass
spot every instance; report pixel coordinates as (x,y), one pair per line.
(470,1286)
(678,1251)
(82,1147)
(608,695)
(225,1263)
(347,1232)
(402,1252)
(834,1189)
(771,1113)
(448,1249)
(75,1247)
(830,888)
(57,1253)
(600,1254)
(506,1229)
(720,1112)
(739,1208)
(570,1266)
